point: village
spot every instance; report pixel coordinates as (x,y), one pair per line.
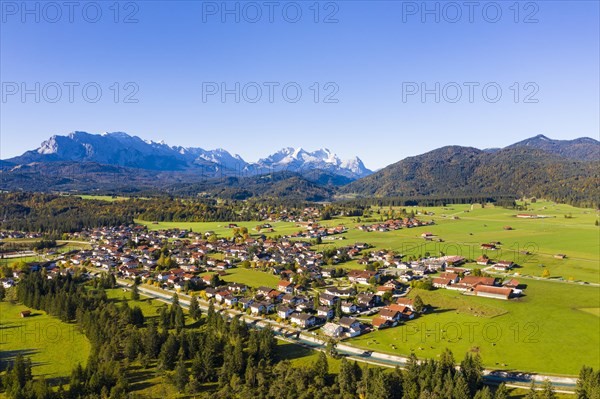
(314,292)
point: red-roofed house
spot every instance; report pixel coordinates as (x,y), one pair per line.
(285,287)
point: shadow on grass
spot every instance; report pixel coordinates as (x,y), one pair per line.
(56,381)
(9,326)
(289,351)
(196,324)
(140,378)
(8,357)
(434,310)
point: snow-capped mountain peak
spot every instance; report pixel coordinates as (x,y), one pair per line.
(122,149)
(298,160)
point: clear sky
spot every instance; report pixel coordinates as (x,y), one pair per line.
(370,61)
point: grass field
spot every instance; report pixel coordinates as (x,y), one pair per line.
(577,237)
(251,278)
(107,198)
(53,346)
(521,393)
(220,228)
(300,356)
(550,330)
(148,306)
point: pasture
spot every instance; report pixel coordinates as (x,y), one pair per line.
(53,346)
(550,330)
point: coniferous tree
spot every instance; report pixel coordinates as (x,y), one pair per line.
(547,391)
(484,393)
(531,394)
(472,369)
(346,379)
(168,353)
(461,388)
(181,377)
(194,309)
(135,293)
(321,367)
(501,392)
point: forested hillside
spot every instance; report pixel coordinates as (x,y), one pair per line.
(461,171)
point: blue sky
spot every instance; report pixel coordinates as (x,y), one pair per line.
(364,57)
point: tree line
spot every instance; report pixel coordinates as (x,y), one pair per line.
(55,214)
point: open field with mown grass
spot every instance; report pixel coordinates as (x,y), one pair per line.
(550,330)
(303,357)
(54,347)
(577,237)
(221,229)
(108,198)
(149,306)
(250,277)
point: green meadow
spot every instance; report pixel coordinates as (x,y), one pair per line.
(301,356)
(107,198)
(251,278)
(576,236)
(54,347)
(553,329)
(221,228)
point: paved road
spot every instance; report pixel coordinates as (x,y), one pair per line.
(21,254)
(295,335)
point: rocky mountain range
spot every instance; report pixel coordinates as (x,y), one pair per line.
(562,170)
(121,149)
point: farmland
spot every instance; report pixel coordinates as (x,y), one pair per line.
(103,198)
(521,334)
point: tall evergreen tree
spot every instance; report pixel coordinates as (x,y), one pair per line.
(501,392)
(181,377)
(547,391)
(194,310)
(461,388)
(135,293)
(472,369)
(484,393)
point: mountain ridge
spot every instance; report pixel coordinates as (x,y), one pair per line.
(562,170)
(122,149)
(582,148)
(466,171)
